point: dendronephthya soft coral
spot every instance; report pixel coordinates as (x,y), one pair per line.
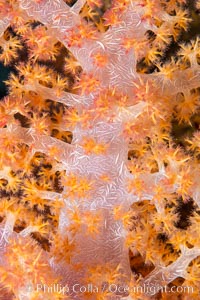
(77,104)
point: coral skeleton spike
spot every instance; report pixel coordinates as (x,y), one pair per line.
(99,149)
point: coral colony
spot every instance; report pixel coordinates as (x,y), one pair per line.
(100,150)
